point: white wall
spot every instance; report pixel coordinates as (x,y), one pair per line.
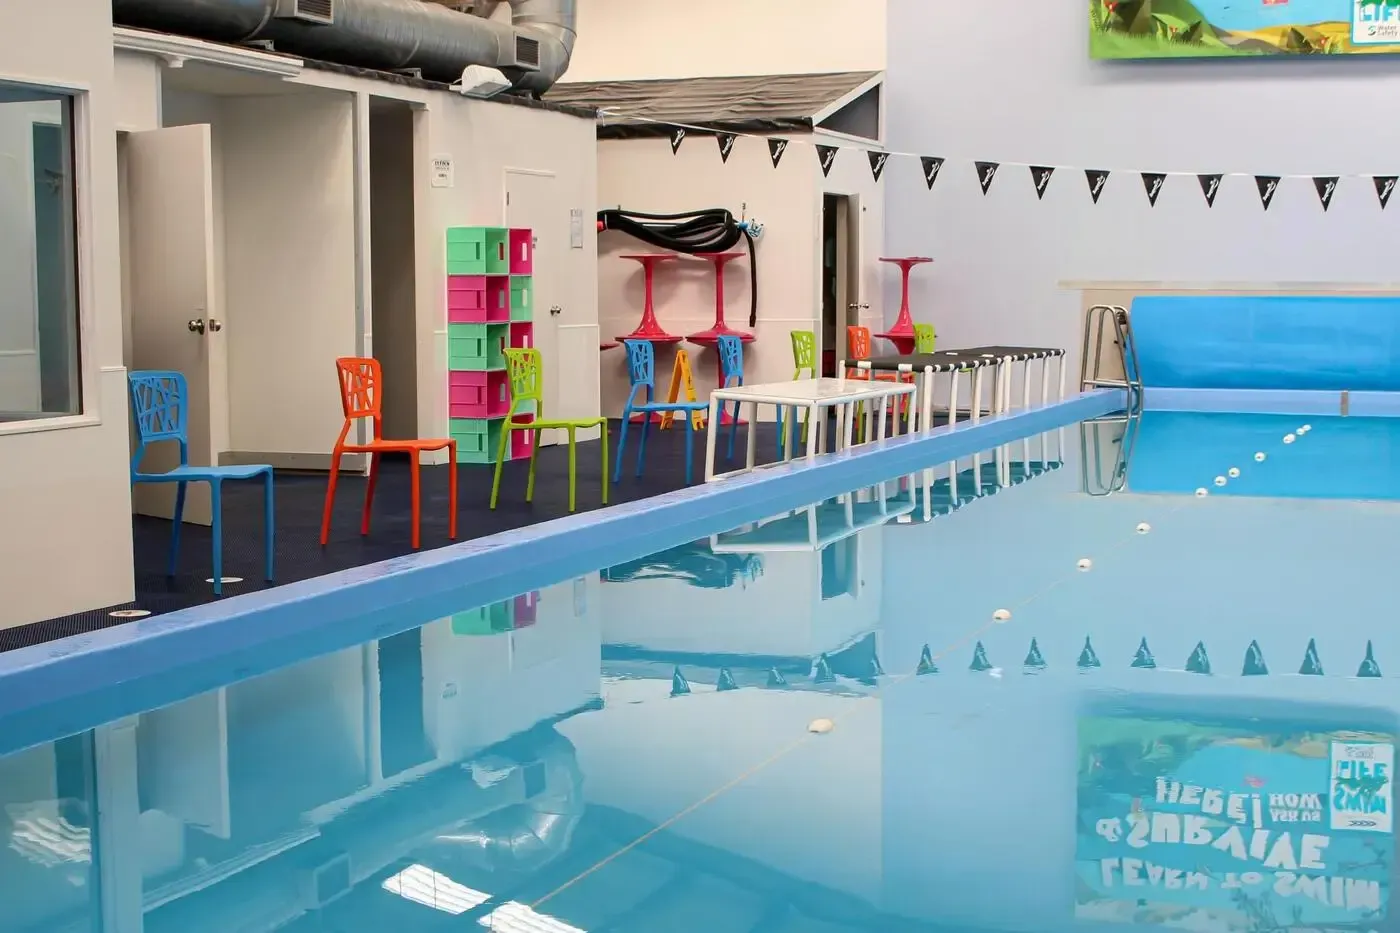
(64,504)
(685,39)
(965,86)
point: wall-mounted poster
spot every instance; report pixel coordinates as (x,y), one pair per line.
(1233,829)
(1214,28)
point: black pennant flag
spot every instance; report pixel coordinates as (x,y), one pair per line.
(1098,177)
(1210,187)
(1326,187)
(826,156)
(726,145)
(877,163)
(677,137)
(986,171)
(1153,181)
(776,148)
(1268,187)
(932,165)
(1040,175)
(1385,187)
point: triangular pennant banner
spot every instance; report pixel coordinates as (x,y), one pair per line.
(826,156)
(1097,177)
(1153,181)
(877,163)
(1268,187)
(986,171)
(1326,188)
(1210,187)
(677,137)
(726,145)
(776,148)
(932,165)
(1040,174)
(1385,187)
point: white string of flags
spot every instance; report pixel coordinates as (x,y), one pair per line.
(931,168)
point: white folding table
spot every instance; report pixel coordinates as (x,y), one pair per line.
(813,396)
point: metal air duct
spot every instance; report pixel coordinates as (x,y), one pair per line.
(386,35)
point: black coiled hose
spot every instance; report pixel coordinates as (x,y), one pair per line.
(709,231)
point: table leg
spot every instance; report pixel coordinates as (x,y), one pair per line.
(1026,384)
(1044,381)
(926,408)
(1062,377)
(848,420)
(820,429)
(953,399)
(977,394)
(813,411)
(884,411)
(710,434)
(751,449)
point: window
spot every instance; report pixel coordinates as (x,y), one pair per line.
(39,372)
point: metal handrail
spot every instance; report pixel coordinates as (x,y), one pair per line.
(1094,328)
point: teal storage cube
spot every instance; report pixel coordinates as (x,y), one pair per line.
(476,347)
(466,251)
(522,288)
(487,620)
(497,247)
(478,439)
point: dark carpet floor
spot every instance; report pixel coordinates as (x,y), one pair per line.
(299,500)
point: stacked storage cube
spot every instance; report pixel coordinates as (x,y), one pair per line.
(489,308)
(505,616)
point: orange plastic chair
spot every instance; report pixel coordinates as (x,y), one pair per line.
(361,396)
(858,348)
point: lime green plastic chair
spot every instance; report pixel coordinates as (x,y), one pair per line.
(925,338)
(804,362)
(527,388)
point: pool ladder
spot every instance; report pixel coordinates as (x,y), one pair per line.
(1122,435)
(1095,326)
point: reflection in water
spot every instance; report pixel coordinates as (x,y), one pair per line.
(694,563)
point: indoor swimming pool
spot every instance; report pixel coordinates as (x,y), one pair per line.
(1122,673)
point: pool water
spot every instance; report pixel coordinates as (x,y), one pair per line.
(631,750)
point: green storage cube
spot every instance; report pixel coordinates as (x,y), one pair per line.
(522,289)
(478,439)
(466,251)
(497,251)
(487,620)
(476,347)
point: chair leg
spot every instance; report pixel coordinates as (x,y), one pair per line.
(573,468)
(500,465)
(452,491)
(175,531)
(642,445)
(330,497)
(369,492)
(603,440)
(621,444)
(689,450)
(416,496)
(269,525)
(216,506)
(530,476)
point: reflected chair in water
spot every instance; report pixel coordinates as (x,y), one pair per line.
(362,396)
(527,389)
(641,372)
(160,402)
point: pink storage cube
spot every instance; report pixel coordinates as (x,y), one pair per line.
(497,298)
(521,441)
(478,395)
(522,252)
(466,299)
(522,335)
(526,609)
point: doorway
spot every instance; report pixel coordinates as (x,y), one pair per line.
(841,297)
(393,296)
(531,202)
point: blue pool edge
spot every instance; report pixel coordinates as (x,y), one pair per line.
(69,685)
(1274,402)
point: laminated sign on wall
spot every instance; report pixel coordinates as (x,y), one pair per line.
(1236,828)
(1216,28)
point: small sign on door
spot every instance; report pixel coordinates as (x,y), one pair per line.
(444,173)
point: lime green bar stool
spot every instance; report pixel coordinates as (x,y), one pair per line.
(804,361)
(527,388)
(925,338)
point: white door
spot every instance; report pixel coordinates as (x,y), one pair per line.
(531,202)
(174,318)
(184,761)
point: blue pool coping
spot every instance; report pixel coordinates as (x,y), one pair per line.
(1274,401)
(73,684)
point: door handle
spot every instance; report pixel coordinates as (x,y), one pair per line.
(865,306)
(853,306)
(196,326)
(555,310)
(215,325)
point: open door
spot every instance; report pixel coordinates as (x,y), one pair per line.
(174,318)
(842,302)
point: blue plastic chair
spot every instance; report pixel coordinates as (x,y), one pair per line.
(159,400)
(641,371)
(731,364)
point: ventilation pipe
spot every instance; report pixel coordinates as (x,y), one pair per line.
(385,35)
